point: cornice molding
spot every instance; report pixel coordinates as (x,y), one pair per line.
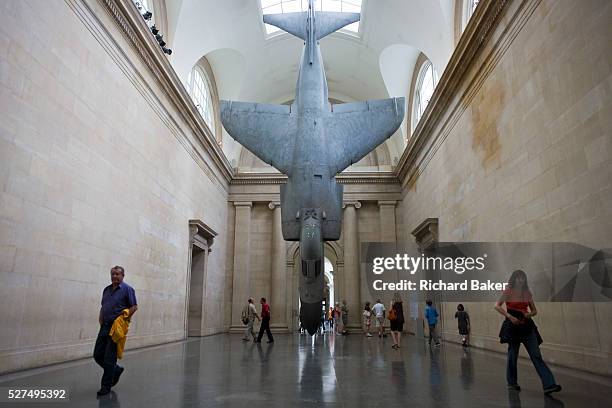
(130,23)
(449,101)
(373,177)
(342,178)
(258,178)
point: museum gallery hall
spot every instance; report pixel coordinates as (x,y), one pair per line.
(306,203)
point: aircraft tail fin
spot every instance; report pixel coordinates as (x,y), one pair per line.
(293,23)
(297,24)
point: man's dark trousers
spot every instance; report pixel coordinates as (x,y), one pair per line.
(105,354)
(265,325)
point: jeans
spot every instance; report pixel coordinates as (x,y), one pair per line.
(249,330)
(531,344)
(105,354)
(265,325)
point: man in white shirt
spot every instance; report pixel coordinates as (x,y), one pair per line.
(379,312)
(249,314)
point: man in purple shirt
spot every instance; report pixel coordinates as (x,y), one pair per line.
(115,297)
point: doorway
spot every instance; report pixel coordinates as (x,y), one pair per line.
(196,291)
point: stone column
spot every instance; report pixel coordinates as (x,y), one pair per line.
(242,248)
(386,210)
(278,277)
(352,273)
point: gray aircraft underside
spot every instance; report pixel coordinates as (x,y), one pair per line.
(311,141)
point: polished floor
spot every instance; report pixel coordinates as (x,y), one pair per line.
(324,371)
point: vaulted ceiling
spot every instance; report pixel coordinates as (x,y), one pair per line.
(250,66)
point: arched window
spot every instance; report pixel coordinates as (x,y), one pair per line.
(469,6)
(199,89)
(425,85)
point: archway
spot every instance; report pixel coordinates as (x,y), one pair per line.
(334,274)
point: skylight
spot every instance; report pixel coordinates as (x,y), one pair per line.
(293,6)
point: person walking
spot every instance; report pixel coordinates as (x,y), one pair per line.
(249,314)
(518,327)
(396,317)
(463,323)
(367,319)
(116,297)
(379,314)
(265,322)
(431,315)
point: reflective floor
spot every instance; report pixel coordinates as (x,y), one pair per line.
(324,371)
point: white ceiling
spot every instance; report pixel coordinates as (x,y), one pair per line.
(249,67)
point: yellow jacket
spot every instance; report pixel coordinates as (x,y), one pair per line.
(119,330)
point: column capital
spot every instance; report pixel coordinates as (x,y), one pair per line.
(356,204)
(243,204)
(382,203)
(274,204)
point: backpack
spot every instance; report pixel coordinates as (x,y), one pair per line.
(245,315)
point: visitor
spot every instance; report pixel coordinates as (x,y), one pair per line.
(463,323)
(116,298)
(518,327)
(345,311)
(367,319)
(396,317)
(379,313)
(431,315)
(323,320)
(249,314)
(330,319)
(338,320)
(265,322)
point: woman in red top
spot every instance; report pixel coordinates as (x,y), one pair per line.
(519,328)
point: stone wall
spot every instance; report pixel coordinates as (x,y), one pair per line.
(98,167)
(523,152)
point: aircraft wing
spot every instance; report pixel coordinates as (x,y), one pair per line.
(266,130)
(355,129)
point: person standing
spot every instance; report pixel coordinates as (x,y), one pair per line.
(379,314)
(367,319)
(249,314)
(115,298)
(345,312)
(397,323)
(463,323)
(518,327)
(338,319)
(431,315)
(265,322)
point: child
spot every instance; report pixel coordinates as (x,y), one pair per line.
(463,321)
(431,315)
(367,318)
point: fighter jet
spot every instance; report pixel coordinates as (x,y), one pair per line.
(311,141)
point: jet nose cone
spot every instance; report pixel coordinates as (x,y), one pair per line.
(310,316)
